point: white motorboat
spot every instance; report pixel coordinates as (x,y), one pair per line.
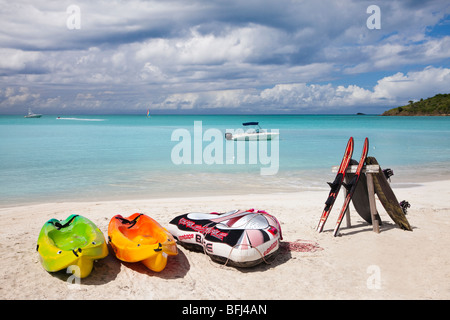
(255,133)
(32,115)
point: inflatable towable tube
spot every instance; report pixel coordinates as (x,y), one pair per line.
(241,238)
(75,241)
(141,238)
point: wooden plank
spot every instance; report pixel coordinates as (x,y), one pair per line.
(372,203)
(372,168)
(387,198)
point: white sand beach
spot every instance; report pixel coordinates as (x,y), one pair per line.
(358,264)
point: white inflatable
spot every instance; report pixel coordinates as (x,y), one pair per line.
(242,238)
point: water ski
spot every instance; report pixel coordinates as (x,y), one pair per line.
(336,184)
(387,197)
(360,198)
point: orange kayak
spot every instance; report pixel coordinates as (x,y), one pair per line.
(140,238)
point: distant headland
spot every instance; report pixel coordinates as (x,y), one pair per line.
(439,105)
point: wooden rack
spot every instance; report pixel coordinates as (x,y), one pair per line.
(369,170)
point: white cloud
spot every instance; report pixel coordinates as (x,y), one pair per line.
(301,97)
(16,96)
(18,60)
(258,54)
(414,85)
(393,54)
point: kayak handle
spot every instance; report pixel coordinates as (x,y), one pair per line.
(131,222)
(59,226)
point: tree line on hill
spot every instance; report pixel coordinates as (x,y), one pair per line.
(439,105)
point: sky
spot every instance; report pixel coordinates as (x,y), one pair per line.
(221,56)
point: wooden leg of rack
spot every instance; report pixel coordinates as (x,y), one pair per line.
(347,214)
(373,207)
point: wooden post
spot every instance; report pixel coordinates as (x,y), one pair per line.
(347,213)
(372,204)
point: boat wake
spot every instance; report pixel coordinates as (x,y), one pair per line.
(80,119)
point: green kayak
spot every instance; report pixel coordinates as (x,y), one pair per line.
(75,241)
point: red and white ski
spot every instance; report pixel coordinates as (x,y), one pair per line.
(336,184)
(351,186)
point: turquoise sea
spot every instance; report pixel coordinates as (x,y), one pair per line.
(88,157)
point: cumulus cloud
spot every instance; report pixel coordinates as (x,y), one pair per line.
(310,98)
(253,55)
(16,96)
(413,85)
(19,61)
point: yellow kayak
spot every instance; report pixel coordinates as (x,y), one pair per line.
(140,238)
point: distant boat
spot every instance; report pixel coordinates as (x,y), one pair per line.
(32,115)
(148,113)
(252,134)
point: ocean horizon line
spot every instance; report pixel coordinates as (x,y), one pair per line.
(197,114)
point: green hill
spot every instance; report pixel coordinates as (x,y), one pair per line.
(439,105)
